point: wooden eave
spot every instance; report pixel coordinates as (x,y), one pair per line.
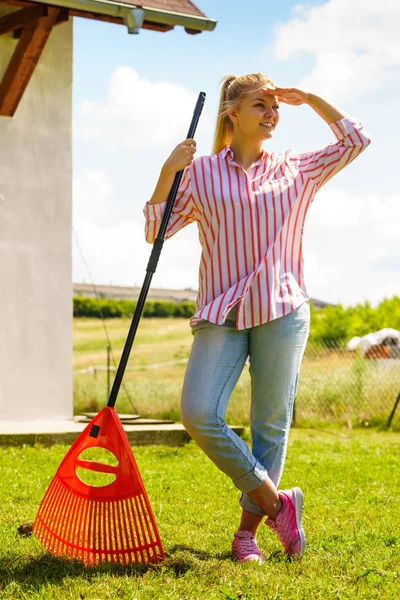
(91,15)
(32,24)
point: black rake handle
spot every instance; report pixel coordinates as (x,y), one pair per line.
(152,264)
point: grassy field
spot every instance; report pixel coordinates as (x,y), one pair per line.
(151,392)
(334,385)
(352,508)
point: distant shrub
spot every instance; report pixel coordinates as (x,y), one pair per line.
(164,308)
(111,308)
(338,324)
(185,309)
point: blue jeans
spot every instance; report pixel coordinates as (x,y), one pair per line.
(216,361)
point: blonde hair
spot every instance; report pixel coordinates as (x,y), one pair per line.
(232,93)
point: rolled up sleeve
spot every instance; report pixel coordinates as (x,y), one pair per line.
(182,212)
(322,164)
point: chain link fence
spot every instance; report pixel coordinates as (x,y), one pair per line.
(338,385)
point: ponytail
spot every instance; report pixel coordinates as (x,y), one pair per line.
(223,128)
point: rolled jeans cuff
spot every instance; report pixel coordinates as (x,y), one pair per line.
(253,479)
(247,503)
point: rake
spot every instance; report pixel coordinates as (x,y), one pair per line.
(113,522)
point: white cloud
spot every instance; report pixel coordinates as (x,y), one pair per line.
(376,254)
(351,246)
(113,254)
(138,113)
(91,193)
(355,45)
(118,252)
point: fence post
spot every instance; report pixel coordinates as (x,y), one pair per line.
(393,411)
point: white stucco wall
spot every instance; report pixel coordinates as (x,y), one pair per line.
(35,239)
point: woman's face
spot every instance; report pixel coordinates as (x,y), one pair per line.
(256,116)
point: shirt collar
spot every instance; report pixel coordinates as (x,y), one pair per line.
(227,153)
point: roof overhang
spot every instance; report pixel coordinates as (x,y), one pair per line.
(134,16)
(32,22)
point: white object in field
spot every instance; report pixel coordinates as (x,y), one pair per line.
(374,339)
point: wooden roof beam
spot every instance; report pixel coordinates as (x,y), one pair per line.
(23,62)
(63,17)
(17,3)
(21,18)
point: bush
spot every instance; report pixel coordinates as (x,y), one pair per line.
(337,324)
(185,309)
(112,308)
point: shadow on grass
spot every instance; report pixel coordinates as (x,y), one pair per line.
(181,558)
(31,572)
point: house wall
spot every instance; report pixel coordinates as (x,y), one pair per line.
(35,238)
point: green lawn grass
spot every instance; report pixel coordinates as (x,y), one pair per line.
(351,486)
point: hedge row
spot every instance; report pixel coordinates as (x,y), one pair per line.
(111,309)
(330,324)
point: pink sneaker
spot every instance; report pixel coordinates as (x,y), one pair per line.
(244,547)
(287,523)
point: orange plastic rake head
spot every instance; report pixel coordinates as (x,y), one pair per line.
(97,524)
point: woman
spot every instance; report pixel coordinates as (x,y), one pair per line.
(250,208)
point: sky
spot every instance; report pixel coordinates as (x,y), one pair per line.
(133,98)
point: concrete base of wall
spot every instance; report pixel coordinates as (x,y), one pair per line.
(17,433)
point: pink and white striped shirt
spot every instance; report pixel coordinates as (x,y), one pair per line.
(251,224)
